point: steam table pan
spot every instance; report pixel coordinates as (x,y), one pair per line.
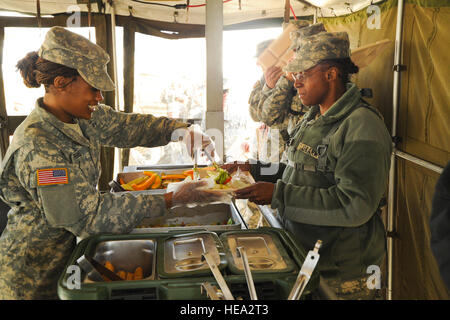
(264,250)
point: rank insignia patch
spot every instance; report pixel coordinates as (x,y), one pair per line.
(47,177)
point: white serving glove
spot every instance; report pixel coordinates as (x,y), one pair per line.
(194,138)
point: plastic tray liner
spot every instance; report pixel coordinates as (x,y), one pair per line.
(182,254)
(265,252)
(127,255)
(213,217)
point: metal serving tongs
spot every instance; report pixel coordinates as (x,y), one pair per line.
(196,173)
(248,274)
(97,271)
(305,272)
(211,158)
(218,276)
(212,291)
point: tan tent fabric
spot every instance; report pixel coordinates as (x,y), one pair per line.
(423,127)
(416,274)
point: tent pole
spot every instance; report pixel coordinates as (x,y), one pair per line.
(214,117)
(118,163)
(418,161)
(392,171)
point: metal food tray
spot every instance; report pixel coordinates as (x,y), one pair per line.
(201,217)
(181,255)
(134,172)
(265,251)
(127,255)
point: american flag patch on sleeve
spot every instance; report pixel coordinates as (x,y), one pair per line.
(47,177)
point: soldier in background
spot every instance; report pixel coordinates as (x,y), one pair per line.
(263,145)
(50,172)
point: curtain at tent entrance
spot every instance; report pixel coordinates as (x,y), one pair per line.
(423,125)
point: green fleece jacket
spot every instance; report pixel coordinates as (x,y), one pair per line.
(339,211)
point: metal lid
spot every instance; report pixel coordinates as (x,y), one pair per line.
(183,253)
(264,251)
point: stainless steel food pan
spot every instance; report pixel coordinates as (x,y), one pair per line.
(213,217)
(127,255)
(264,251)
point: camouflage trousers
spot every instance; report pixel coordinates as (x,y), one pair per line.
(356,289)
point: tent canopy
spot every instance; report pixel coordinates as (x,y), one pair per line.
(234,11)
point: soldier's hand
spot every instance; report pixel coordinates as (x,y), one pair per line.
(272,75)
(259,193)
(195,139)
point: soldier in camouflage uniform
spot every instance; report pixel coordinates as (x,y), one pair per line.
(50,172)
(337,171)
(263,135)
(281,108)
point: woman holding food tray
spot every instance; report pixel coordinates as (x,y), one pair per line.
(337,171)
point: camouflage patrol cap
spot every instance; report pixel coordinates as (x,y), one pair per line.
(260,47)
(305,32)
(72,50)
(324,45)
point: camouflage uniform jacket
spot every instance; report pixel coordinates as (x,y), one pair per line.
(337,204)
(44,219)
(281,107)
(256,101)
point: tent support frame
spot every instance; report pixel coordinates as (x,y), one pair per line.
(392,171)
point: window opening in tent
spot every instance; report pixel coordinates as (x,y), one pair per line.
(170,80)
(19,99)
(240,73)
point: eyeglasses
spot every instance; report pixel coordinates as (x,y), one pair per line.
(302,76)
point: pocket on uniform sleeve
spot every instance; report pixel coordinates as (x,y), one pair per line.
(59,203)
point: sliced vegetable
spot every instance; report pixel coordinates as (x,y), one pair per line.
(126,187)
(222,177)
(122,274)
(189,173)
(228,180)
(173,176)
(109,266)
(138,273)
(146,184)
(157,183)
(149,173)
(121,181)
(137,180)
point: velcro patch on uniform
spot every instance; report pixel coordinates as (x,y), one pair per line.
(51,176)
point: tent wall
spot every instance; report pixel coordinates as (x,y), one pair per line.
(423,127)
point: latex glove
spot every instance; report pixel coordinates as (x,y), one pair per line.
(193,193)
(195,139)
